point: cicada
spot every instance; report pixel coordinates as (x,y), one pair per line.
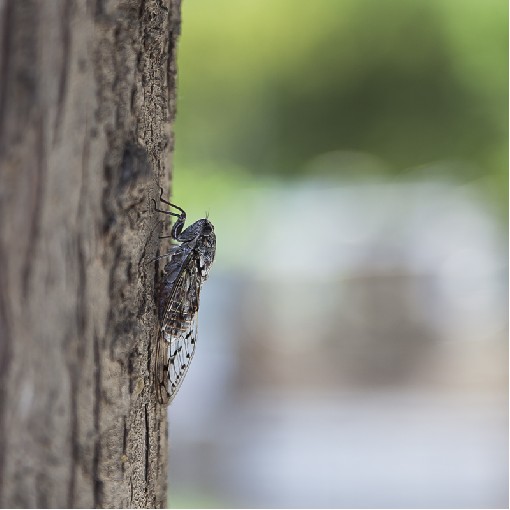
(179,298)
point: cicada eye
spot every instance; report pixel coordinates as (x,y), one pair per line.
(207,229)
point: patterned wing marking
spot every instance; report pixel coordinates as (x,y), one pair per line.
(178,334)
(181,351)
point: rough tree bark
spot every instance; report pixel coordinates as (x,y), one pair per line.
(87,95)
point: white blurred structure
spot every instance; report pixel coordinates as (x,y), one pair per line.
(352,353)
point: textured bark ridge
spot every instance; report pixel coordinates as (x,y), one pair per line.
(87,95)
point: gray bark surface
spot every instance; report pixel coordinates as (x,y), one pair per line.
(87,95)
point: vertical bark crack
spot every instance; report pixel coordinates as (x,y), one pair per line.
(35,205)
(5,358)
(98,488)
(147,445)
(65,26)
(75,451)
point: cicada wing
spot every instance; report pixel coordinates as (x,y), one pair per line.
(178,335)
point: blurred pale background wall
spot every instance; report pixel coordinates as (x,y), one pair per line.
(352,155)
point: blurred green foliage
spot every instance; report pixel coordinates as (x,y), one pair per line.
(268,87)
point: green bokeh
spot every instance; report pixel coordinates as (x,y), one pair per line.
(266,88)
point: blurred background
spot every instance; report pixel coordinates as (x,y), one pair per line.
(353,157)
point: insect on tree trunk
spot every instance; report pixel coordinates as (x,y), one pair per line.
(87,95)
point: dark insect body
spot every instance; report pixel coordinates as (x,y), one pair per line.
(179,298)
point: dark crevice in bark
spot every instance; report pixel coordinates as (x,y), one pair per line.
(20,93)
(149,366)
(75,364)
(35,205)
(99,10)
(133,99)
(158,432)
(5,358)
(98,484)
(5,63)
(135,165)
(147,443)
(174,23)
(124,438)
(65,26)
(75,447)
(85,154)
(141,9)
(81,299)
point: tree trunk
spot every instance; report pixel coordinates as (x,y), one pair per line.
(87,95)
